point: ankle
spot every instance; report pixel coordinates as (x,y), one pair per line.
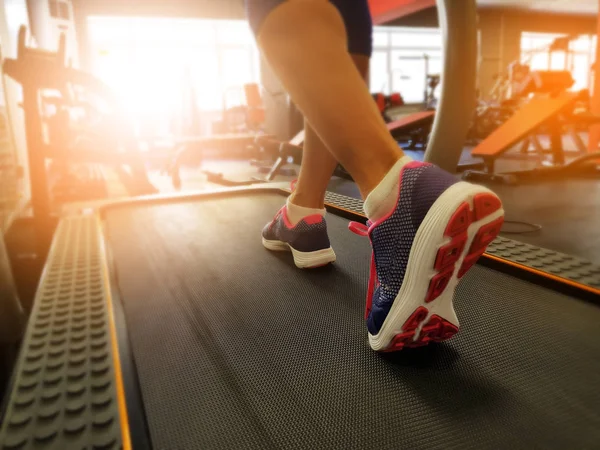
(303,200)
(384,196)
(296,213)
(370,175)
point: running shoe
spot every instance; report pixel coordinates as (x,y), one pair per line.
(421,249)
(307,240)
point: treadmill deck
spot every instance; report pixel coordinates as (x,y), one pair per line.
(236,348)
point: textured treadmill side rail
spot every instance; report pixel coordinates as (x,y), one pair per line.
(64,393)
(561,265)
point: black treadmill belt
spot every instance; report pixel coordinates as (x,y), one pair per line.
(236,348)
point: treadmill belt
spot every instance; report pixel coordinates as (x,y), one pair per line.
(236,348)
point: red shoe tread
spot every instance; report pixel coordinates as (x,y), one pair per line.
(438,329)
(484,205)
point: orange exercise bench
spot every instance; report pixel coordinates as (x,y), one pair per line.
(539,111)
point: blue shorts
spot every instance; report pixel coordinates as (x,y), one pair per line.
(356,15)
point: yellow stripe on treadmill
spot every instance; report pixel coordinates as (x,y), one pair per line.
(123,417)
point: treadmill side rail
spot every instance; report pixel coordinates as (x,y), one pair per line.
(65,393)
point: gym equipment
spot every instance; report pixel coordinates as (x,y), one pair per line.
(271,154)
(430,83)
(512,87)
(49,138)
(163,322)
(433,81)
(95,138)
(457,85)
(199,148)
(387,102)
(500,103)
(245,118)
(283,153)
(250,141)
(539,111)
(489,116)
(411,131)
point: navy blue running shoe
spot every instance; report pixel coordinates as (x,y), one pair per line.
(307,240)
(428,242)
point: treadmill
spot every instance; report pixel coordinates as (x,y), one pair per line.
(161,322)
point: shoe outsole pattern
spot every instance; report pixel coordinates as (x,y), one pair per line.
(420,328)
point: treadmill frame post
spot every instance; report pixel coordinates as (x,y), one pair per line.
(456,104)
(40,197)
(36,61)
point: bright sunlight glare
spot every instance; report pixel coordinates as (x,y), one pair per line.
(159,67)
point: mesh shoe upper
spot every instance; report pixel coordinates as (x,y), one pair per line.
(392,238)
(308,235)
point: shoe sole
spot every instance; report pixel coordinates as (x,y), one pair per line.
(454,234)
(303,260)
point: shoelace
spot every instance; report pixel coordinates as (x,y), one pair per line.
(363,230)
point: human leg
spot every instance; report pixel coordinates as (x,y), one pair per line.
(346,118)
(318,163)
(426,228)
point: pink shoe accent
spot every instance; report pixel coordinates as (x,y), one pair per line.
(286,219)
(373,282)
(436,329)
(276,217)
(485,204)
(448,254)
(460,221)
(486,235)
(358,228)
(314,219)
(438,283)
(415,319)
(483,238)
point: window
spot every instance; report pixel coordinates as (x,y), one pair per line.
(578,58)
(416,38)
(155,64)
(402,58)
(379,76)
(381,38)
